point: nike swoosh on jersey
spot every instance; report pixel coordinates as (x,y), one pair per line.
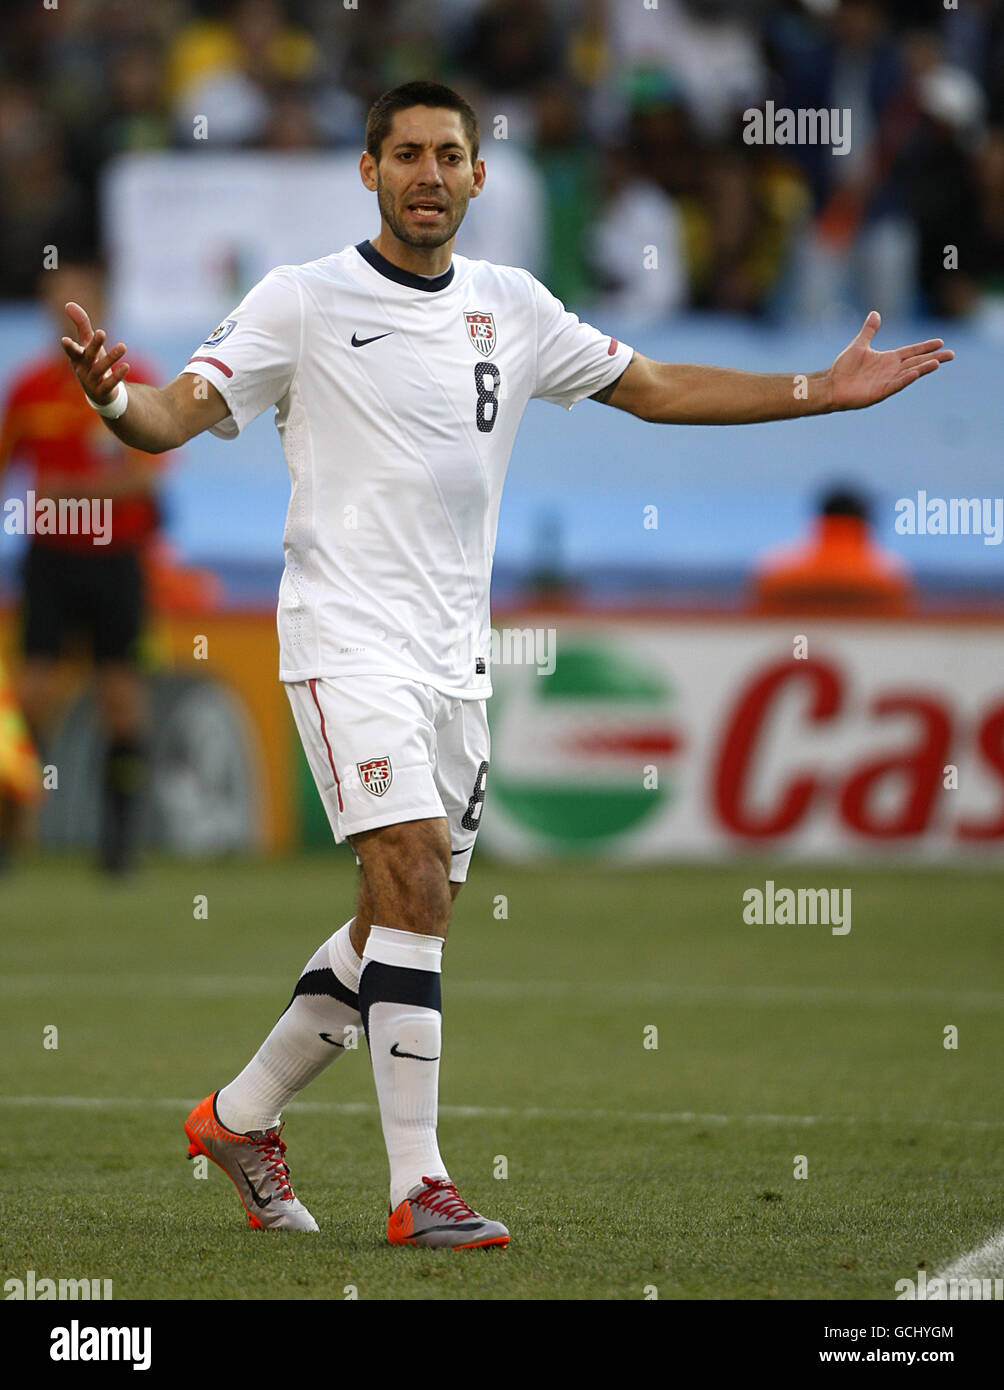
(361,342)
(326,1037)
(394,1052)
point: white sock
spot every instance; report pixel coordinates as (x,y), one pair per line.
(320,1024)
(399,997)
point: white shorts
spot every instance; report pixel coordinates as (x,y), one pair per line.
(385,750)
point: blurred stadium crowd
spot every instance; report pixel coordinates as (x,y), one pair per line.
(631,111)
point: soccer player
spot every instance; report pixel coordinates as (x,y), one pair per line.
(74,582)
(399,372)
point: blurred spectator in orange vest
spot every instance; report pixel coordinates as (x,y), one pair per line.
(839,568)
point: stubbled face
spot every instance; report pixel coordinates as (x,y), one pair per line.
(425,178)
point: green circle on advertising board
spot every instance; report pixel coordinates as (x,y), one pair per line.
(574,753)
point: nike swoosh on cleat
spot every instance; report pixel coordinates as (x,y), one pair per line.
(325,1037)
(394,1052)
(258,1199)
(361,342)
(466,1226)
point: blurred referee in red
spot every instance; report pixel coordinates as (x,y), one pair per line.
(72,586)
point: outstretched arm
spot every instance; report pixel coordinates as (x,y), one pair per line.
(676,393)
(156,418)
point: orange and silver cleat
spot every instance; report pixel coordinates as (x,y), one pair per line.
(435,1214)
(255,1164)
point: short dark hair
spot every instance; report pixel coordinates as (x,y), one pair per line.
(385,108)
(844,501)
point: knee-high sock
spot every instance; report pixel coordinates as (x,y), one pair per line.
(320,1023)
(400,1002)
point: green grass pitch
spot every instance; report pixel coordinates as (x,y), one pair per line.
(628,1166)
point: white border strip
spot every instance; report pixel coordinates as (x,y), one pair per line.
(985,1262)
(501,1112)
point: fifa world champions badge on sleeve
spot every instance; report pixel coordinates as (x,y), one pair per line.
(221,331)
(481,331)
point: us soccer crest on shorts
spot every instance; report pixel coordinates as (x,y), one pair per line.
(481,331)
(376,775)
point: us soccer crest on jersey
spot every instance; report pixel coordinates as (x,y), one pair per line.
(481,330)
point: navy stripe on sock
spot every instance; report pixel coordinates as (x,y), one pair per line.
(325,982)
(397,984)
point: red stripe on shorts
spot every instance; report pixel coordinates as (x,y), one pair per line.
(324,735)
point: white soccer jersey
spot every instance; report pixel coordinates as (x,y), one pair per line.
(397,398)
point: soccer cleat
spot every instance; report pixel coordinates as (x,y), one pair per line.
(435,1214)
(255,1165)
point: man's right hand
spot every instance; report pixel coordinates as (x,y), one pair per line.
(98,371)
(157,418)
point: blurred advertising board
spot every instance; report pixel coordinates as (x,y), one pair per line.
(626,740)
(221,742)
(712,736)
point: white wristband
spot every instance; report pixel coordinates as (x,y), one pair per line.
(115,407)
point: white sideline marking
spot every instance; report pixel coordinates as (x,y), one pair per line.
(496,1112)
(506,991)
(985,1262)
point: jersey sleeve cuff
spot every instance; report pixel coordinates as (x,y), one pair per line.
(216,374)
(620,358)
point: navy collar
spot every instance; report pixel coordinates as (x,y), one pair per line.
(380,263)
